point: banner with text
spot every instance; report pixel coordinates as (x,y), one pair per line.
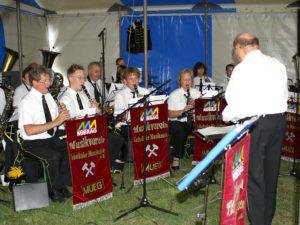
(89,162)
(235,183)
(291,145)
(207,113)
(157,145)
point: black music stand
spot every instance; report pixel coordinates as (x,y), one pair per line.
(144,202)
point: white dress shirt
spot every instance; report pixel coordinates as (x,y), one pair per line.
(90,88)
(177,100)
(70,100)
(20,92)
(31,112)
(258,86)
(123,98)
(2,101)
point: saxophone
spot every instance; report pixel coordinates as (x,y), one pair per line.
(4,118)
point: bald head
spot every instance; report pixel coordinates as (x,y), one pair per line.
(246,39)
(243,44)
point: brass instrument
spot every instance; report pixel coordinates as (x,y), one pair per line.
(48,57)
(10,59)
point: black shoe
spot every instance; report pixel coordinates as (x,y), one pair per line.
(65,192)
(56,196)
(175,167)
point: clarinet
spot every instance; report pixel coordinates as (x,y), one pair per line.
(136,90)
(190,118)
(86,92)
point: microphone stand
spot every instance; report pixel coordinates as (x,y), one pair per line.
(144,202)
(101,37)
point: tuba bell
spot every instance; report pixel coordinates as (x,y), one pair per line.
(48,57)
(10,59)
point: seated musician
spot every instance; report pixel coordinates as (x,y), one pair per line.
(122,100)
(76,102)
(180,101)
(201,81)
(11,148)
(39,117)
(93,82)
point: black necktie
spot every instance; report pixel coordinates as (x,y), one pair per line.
(47,114)
(133,94)
(79,101)
(200,85)
(96,92)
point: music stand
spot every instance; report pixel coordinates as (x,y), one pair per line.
(144,202)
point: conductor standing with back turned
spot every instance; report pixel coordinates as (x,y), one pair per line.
(258,86)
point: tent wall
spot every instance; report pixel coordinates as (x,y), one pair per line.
(33,35)
(76,38)
(277,33)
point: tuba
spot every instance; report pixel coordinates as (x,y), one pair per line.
(58,80)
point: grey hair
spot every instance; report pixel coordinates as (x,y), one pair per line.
(35,74)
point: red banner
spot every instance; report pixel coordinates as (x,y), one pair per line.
(157,145)
(235,183)
(291,143)
(207,113)
(89,162)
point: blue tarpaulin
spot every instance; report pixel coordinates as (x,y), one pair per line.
(177,43)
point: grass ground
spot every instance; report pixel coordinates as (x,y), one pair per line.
(160,193)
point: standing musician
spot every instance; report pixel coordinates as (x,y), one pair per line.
(76,101)
(180,101)
(39,116)
(93,83)
(122,100)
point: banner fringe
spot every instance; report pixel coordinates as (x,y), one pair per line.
(85,204)
(150,179)
(290,159)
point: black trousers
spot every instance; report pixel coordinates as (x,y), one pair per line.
(264,164)
(116,145)
(178,132)
(54,152)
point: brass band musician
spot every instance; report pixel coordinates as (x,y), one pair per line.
(180,101)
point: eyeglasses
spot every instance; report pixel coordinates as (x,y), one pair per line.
(79,77)
(45,82)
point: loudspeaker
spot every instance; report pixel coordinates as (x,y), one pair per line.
(30,196)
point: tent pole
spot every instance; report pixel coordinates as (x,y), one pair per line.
(145,45)
(19,37)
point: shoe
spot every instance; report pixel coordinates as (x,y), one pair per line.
(65,192)
(175,164)
(56,196)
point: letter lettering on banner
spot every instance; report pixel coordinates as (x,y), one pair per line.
(89,162)
(157,148)
(235,183)
(207,113)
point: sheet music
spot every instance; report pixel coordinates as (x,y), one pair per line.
(210,131)
(113,90)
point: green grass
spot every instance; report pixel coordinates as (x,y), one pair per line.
(161,194)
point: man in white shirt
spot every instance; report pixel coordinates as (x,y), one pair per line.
(93,83)
(122,100)
(258,86)
(119,62)
(2,101)
(39,116)
(78,104)
(228,71)
(180,101)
